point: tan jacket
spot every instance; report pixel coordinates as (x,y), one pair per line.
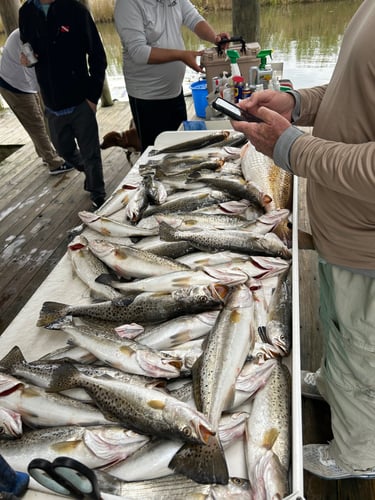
(339,160)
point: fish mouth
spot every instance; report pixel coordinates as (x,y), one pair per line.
(219,291)
(205,433)
(175,363)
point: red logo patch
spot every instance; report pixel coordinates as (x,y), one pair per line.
(64,29)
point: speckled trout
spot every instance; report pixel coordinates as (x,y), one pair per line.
(214,377)
(144,308)
(95,446)
(233,240)
(131,262)
(267,446)
(142,409)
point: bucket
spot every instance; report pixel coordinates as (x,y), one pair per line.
(199,92)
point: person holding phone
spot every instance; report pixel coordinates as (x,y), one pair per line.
(155,60)
(338,161)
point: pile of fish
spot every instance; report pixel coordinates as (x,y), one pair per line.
(178,355)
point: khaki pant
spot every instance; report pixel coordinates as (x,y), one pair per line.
(29,111)
(347,377)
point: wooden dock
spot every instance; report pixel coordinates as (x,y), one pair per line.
(37,211)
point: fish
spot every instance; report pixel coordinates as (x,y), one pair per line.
(10,424)
(177,330)
(214,376)
(137,204)
(198,260)
(202,221)
(39,408)
(88,267)
(188,202)
(238,189)
(141,409)
(268,429)
(121,353)
(151,461)
(155,190)
(179,279)
(173,249)
(232,240)
(270,178)
(110,227)
(184,168)
(181,488)
(95,446)
(193,144)
(130,262)
(279,320)
(144,308)
(118,200)
(40,372)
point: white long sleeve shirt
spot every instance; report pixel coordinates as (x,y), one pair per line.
(11,70)
(143,24)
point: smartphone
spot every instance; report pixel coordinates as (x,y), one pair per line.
(233,111)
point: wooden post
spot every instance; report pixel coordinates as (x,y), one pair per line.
(106,98)
(9,14)
(245,19)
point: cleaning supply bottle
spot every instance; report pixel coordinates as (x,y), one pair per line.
(265,69)
(233,56)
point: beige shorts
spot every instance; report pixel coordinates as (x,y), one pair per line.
(347,377)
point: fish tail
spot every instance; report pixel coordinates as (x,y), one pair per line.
(166,232)
(204,463)
(13,357)
(63,378)
(51,312)
(104,279)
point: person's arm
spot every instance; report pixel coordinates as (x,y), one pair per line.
(205,32)
(97,61)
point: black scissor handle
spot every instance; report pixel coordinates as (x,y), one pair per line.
(66,476)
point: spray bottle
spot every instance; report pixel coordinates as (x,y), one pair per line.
(265,69)
(233,56)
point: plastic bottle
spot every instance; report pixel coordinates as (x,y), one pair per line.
(233,56)
(265,69)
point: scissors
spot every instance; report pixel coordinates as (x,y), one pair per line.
(65,476)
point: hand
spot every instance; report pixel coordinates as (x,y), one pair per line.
(221,36)
(263,136)
(281,102)
(189,58)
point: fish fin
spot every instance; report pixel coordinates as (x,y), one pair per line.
(166,232)
(269,438)
(51,312)
(63,378)
(204,463)
(13,357)
(262,331)
(104,279)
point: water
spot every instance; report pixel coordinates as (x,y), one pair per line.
(305,36)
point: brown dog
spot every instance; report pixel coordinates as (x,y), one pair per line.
(128,140)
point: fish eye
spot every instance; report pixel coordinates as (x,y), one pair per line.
(186,431)
(237,481)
